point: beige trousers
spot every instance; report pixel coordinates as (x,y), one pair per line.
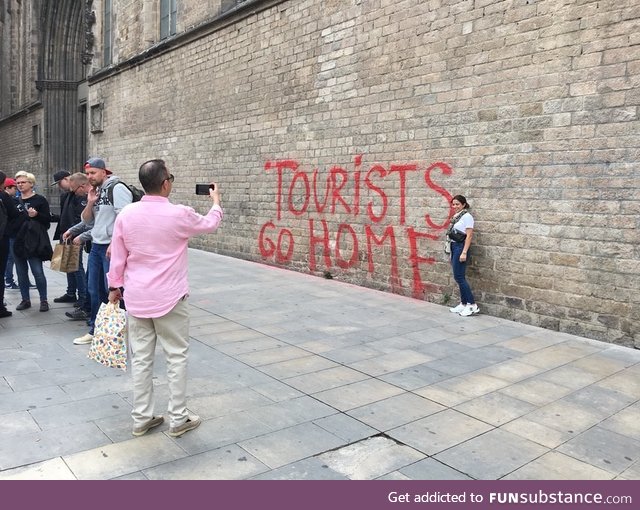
(172,330)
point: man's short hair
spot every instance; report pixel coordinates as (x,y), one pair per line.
(3,176)
(79,178)
(152,174)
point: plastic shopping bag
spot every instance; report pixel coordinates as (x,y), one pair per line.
(109,344)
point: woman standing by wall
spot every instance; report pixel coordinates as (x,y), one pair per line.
(32,244)
(460,233)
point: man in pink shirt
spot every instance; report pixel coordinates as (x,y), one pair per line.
(149,268)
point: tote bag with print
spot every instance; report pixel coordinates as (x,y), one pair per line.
(109,344)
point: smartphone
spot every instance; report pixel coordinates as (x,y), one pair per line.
(203,189)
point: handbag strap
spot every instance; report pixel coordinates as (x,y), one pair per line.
(454,219)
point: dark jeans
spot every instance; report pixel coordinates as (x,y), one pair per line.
(8,271)
(459,268)
(22,268)
(97,269)
(4,253)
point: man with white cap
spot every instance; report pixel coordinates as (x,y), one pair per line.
(105,200)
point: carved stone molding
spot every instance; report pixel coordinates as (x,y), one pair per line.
(56,85)
(89,38)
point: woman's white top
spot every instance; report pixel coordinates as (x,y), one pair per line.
(465,222)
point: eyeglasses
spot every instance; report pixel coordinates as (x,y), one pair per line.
(77,188)
(171,178)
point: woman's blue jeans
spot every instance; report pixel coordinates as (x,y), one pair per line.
(22,269)
(459,268)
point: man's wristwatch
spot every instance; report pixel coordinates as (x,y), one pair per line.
(111,289)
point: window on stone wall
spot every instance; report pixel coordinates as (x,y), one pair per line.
(108,33)
(168,15)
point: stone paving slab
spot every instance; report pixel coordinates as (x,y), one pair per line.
(53,469)
(395,411)
(284,446)
(228,463)
(604,449)
(118,459)
(312,468)
(370,459)
(440,431)
(557,466)
(298,377)
(477,457)
(27,447)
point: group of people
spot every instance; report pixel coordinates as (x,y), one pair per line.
(97,212)
(137,252)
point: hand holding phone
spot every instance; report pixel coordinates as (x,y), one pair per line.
(203,189)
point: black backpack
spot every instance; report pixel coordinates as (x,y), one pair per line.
(136,193)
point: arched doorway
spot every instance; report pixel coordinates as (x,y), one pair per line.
(61,79)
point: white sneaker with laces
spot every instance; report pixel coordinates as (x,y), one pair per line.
(84,339)
(469,310)
(457,309)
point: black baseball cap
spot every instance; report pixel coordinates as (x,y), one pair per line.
(58,176)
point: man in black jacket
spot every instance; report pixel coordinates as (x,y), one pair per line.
(9,209)
(71,206)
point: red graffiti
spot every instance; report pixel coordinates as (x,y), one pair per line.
(301,193)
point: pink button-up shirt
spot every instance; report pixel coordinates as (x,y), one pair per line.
(149,253)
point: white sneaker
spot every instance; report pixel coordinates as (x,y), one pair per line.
(458,308)
(84,339)
(470,310)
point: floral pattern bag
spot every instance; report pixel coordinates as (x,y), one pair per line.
(109,345)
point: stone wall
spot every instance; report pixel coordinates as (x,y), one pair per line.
(338,131)
(18,151)
(19,39)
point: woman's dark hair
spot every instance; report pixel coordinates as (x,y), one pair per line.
(462,200)
(152,174)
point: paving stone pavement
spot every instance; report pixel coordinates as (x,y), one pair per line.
(298,377)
